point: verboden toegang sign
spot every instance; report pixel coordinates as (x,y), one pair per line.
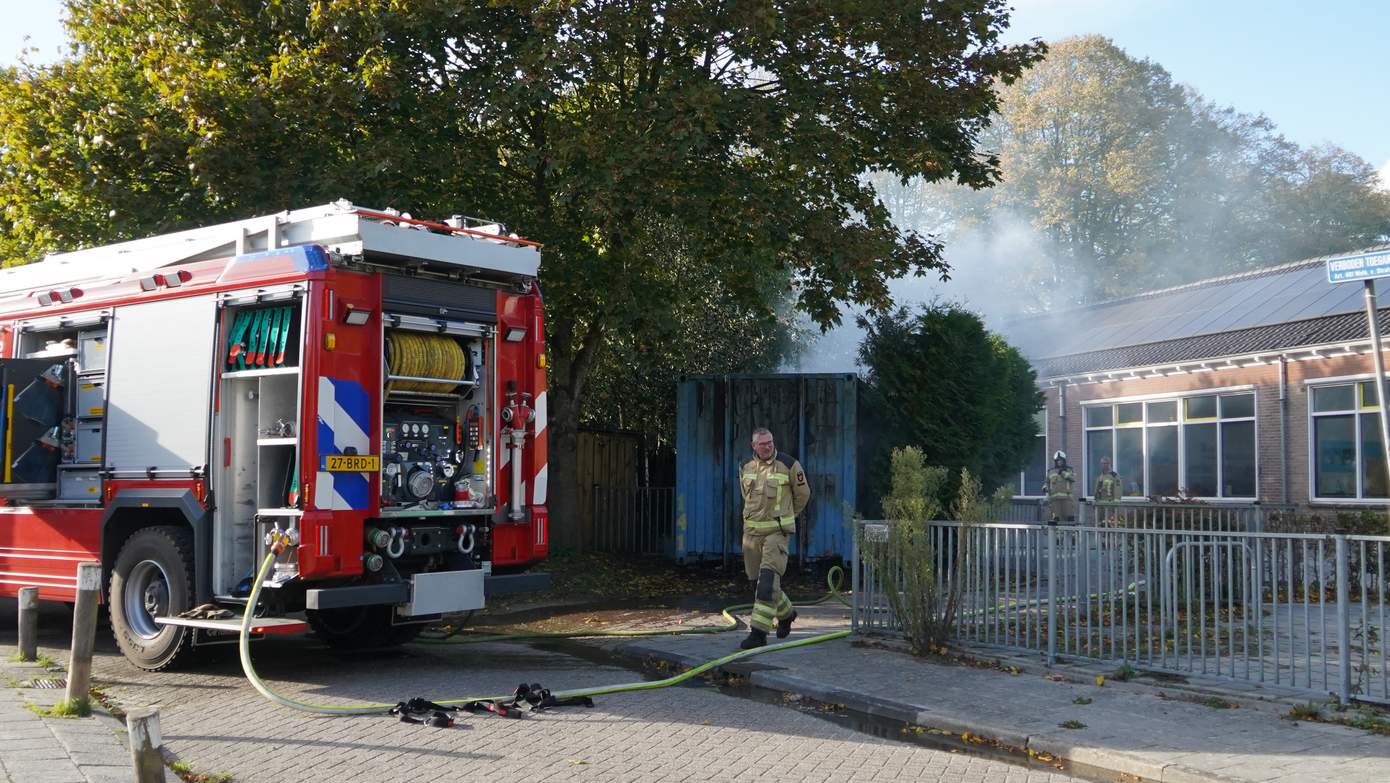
(1359,266)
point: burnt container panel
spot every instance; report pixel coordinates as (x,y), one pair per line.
(814,418)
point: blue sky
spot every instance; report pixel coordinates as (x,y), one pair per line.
(1317,69)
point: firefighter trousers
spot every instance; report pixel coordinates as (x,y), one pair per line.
(1062,508)
(765,561)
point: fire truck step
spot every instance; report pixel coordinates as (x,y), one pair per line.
(233,624)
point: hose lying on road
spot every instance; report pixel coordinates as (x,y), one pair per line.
(244,649)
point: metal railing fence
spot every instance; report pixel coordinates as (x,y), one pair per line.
(1248,517)
(1254,517)
(634,520)
(1300,610)
(1025,510)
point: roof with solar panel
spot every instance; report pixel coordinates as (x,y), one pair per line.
(1260,310)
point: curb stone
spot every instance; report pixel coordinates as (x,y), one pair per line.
(1080,671)
(99,713)
(869,705)
(1179,773)
(1099,759)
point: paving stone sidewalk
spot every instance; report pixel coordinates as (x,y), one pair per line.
(36,749)
(1153,732)
(212,718)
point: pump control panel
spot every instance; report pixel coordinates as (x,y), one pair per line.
(421,459)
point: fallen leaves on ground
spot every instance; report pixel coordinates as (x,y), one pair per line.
(1072,724)
(603,576)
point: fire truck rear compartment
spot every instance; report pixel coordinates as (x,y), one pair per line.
(436,493)
(260,425)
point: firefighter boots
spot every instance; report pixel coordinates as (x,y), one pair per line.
(756,638)
(784,625)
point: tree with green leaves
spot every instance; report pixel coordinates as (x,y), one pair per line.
(705,331)
(587,125)
(939,381)
(1139,183)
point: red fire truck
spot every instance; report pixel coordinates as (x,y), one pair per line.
(369,385)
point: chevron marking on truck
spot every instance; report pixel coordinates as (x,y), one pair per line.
(344,420)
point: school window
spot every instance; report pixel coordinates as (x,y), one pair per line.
(1202,445)
(1348,456)
(1030,479)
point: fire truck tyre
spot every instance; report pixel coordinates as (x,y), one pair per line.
(153,577)
(360,627)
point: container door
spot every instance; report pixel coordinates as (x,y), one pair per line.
(159,393)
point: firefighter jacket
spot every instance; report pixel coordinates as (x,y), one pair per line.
(1059,482)
(1108,487)
(774,492)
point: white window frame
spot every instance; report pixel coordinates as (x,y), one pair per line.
(1180,423)
(1355,381)
(1023,472)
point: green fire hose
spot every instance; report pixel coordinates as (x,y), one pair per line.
(244,648)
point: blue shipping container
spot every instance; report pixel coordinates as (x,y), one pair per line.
(813,417)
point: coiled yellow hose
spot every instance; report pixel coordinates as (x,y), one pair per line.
(424,356)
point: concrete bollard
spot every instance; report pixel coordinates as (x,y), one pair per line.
(28,623)
(84,632)
(145,743)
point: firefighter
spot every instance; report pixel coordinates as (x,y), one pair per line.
(1108,489)
(774,491)
(1059,486)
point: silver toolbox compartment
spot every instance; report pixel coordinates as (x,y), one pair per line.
(91,349)
(437,592)
(88,443)
(79,484)
(91,397)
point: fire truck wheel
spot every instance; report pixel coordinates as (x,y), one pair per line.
(360,627)
(153,577)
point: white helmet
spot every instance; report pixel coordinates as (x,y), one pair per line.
(1062,455)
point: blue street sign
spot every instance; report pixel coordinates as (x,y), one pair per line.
(1359,266)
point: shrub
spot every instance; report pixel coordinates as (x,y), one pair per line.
(906,555)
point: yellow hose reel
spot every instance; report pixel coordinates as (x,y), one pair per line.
(424,356)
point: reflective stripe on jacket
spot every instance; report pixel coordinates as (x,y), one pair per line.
(1059,482)
(774,492)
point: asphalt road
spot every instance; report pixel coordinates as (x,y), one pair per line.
(215,721)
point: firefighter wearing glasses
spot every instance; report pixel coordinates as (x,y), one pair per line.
(774,492)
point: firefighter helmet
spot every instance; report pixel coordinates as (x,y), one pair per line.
(1062,455)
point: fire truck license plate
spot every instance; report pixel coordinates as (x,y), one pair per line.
(351,463)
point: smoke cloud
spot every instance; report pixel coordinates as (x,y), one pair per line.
(992,271)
